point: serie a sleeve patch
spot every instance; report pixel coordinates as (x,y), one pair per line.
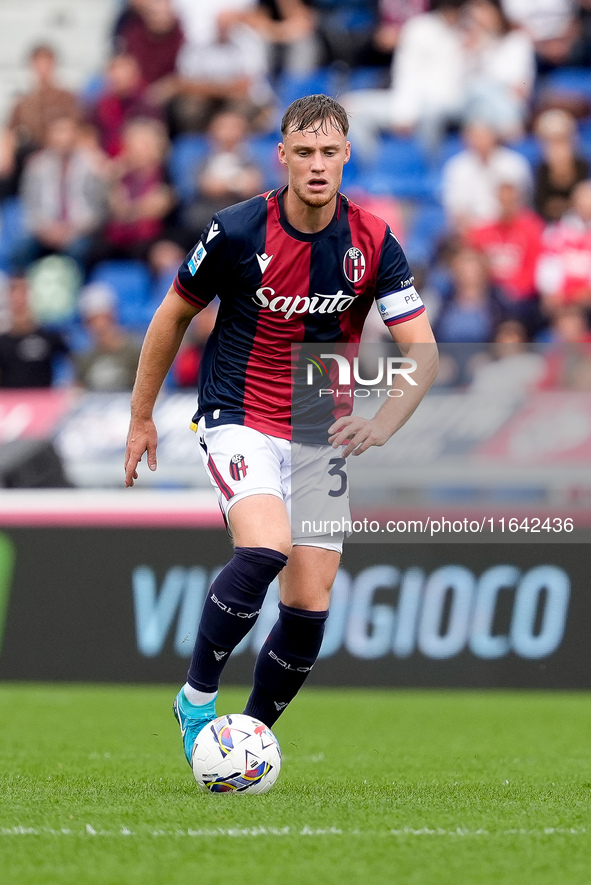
(199,276)
(396,307)
(196,258)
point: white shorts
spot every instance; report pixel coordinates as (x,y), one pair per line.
(311,480)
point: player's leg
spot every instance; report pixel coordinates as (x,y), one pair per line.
(291,649)
(262,536)
(232,605)
(261,533)
(317,498)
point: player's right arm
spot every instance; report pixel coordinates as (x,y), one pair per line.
(197,282)
(159,349)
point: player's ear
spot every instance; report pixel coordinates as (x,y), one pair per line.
(281,153)
(347,152)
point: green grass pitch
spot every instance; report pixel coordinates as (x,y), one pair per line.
(452,788)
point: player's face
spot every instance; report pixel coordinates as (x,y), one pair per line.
(314,159)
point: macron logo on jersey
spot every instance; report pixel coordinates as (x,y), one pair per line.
(213,231)
(200,251)
(264,260)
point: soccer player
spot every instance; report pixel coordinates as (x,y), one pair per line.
(298,264)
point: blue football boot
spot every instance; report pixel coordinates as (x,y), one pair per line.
(192,718)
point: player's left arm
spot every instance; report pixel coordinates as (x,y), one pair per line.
(415,339)
(416,342)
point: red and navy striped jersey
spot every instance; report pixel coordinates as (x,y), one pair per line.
(278,286)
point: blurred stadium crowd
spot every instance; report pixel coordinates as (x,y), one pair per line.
(471,135)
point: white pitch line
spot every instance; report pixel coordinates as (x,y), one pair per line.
(242,832)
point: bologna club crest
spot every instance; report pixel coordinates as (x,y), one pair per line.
(354,264)
(237,467)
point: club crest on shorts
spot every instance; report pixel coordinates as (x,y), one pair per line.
(238,467)
(354,264)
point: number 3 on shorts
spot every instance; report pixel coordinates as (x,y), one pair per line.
(337,466)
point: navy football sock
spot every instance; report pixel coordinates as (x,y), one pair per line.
(284,661)
(231,608)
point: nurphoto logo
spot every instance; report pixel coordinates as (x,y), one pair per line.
(349,380)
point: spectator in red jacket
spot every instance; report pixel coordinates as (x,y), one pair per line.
(512,244)
(563,273)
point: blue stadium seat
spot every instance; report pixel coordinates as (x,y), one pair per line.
(585,129)
(187,152)
(78,337)
(425,230)
(529,147)
(585,138)
(585,149)
(291,86)
(402,170)
(12,229)
(450,146)
(63,372)
(132,282)
(354,174)
(93,89)
(263,152)
(573,80)
(367,78)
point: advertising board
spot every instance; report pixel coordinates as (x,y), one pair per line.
(122,604)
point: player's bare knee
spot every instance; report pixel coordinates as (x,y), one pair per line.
(261,521)
(312,599)
(283,546)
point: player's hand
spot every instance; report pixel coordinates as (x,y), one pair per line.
(142,438)
(356,434)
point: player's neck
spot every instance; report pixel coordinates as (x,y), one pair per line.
(307,219)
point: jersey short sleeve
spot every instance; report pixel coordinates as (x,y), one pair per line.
(203,271)
(396,297)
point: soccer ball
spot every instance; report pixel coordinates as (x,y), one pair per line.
(236,754)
